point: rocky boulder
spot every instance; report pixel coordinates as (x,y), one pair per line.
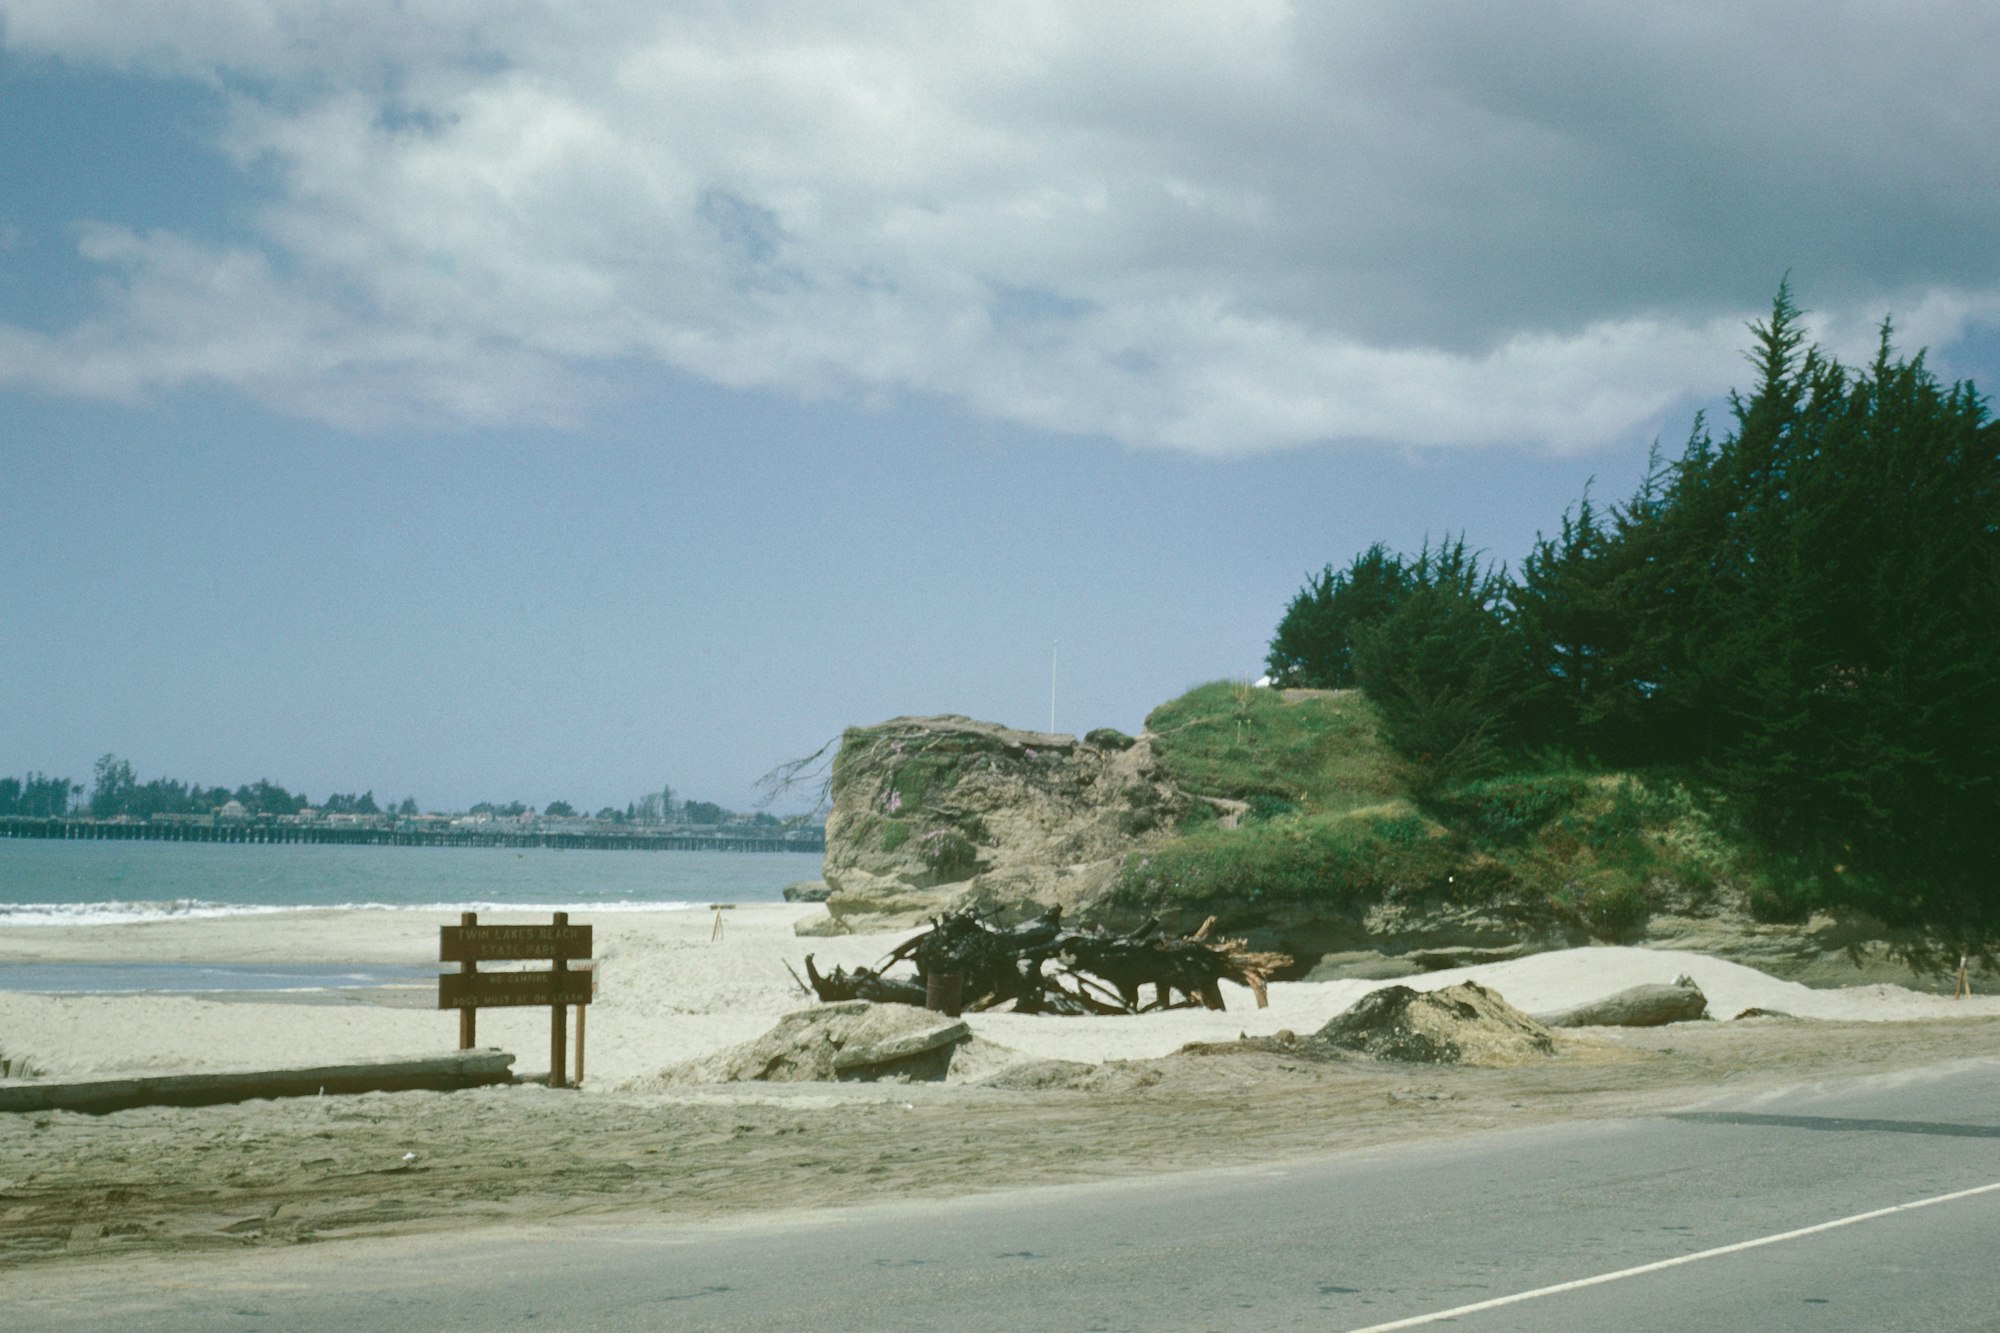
(855,1041)
(937,813)
(1463,1024)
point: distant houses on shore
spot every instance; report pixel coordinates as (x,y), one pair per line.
(232,822)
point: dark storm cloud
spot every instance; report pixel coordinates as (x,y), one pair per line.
(1220,227)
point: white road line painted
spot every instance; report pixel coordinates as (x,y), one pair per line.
(1438,1315)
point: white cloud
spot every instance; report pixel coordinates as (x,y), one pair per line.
(1210,225)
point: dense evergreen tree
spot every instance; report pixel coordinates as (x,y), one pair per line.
(1574,633)
(113,787)
(1805,610)
(36,796)
(265,797)
(1315,643)
(506,810)
(1444,666)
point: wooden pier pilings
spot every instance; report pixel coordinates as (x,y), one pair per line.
(258,831)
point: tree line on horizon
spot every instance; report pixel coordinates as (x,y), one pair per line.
(1803,614)
(116,791)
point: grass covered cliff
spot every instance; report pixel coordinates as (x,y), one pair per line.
(1330,823)
(1288,815)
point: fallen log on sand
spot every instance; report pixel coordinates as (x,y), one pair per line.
(1639,1007)
(100,1094)
(1040,967)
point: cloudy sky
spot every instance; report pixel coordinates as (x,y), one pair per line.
(485,399)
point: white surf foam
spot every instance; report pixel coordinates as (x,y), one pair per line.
(193,909)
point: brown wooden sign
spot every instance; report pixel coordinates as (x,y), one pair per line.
(487,990)
(484,944)
(469,990)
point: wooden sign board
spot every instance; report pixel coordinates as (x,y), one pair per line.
(469,990)
(483,944)
(483,990)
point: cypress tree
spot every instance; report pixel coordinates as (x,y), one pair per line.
(1444,667)
(1315,641)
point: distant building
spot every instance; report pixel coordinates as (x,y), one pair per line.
(232,810)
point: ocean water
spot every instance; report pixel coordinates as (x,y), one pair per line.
(47,882)
(206,978)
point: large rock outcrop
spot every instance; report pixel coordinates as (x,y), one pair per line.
(939,813)
(931,813)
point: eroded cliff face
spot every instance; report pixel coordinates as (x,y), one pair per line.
(932,813)
(937,813)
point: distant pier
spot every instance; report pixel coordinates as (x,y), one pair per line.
(692,839)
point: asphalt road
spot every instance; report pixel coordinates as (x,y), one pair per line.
(1355,1242)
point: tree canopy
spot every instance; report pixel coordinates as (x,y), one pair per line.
(1804,610)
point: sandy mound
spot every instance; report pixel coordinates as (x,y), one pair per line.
(856,1042)
(1464,1024)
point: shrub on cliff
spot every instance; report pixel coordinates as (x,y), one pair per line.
(1320,751)
(1334,860)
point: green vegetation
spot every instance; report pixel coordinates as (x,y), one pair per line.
(36,796)
(116,792)
(1336,860)
(1321,752)
(1601,850)
(1800,618)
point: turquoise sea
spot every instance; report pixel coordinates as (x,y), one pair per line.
(46,882)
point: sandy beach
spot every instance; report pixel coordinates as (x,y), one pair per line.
(670,991)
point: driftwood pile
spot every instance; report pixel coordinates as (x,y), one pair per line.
(1039,967)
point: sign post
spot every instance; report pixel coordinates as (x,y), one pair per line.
(468,1017)
(558,973)
(468,990)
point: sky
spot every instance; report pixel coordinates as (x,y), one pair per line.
(492,400)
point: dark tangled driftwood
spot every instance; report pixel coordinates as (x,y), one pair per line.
(1040,967)
(863,984)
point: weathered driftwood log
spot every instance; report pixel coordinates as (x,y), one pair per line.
(1639,1007)
(996,965)
(1039,967)
(863,984)
(1195,966)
